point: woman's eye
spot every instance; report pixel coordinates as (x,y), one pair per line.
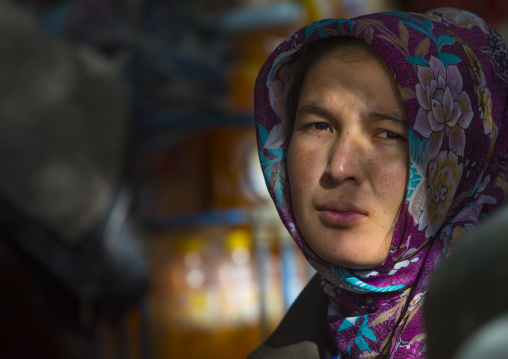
(389,135)
(319,126)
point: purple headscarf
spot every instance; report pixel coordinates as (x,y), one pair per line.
(452,71)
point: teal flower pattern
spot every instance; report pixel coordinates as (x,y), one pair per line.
(364,332)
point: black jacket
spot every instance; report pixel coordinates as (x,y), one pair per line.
(303,332)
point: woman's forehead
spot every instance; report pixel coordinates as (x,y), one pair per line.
(331,82)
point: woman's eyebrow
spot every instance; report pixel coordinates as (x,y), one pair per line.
(389,116)
(313,110)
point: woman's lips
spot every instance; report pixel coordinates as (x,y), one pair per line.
(340,215)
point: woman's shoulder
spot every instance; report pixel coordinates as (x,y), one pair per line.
(303,332)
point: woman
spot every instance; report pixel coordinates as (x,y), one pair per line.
(382,140)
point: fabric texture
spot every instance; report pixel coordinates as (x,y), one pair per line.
(452,71)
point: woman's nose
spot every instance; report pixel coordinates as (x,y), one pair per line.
(345,160)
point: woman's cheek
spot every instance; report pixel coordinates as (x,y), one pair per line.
(392,175)
(302,159)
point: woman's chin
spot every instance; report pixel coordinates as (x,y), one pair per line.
(356,261)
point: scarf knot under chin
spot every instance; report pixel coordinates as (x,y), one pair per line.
(379,318)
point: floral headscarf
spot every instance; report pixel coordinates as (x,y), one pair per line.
(452,71)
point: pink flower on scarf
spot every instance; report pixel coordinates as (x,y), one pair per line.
(445,108)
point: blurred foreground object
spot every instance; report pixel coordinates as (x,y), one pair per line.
(489,341)
(64,138)
(468,292)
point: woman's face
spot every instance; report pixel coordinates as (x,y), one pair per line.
(348,158)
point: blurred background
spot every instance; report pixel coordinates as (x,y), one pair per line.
(134,218)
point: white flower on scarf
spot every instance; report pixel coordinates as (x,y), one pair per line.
(402,264)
